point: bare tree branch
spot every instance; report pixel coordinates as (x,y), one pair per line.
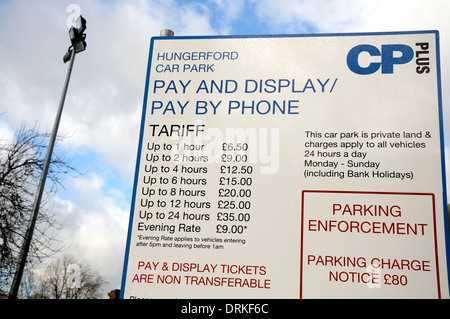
(68,278)
(21,163)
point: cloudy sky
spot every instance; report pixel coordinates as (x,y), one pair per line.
(101,118)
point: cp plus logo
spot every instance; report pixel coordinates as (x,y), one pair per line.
(391,54)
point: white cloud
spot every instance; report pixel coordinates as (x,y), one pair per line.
(6,133)
(96,222)
(353,15)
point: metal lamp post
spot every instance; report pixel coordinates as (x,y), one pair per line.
(77,38)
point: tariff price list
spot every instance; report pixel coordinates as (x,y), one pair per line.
(178,197)
(235,190)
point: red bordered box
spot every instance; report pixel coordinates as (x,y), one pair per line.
(367,193)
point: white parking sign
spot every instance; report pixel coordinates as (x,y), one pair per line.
(305,166)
